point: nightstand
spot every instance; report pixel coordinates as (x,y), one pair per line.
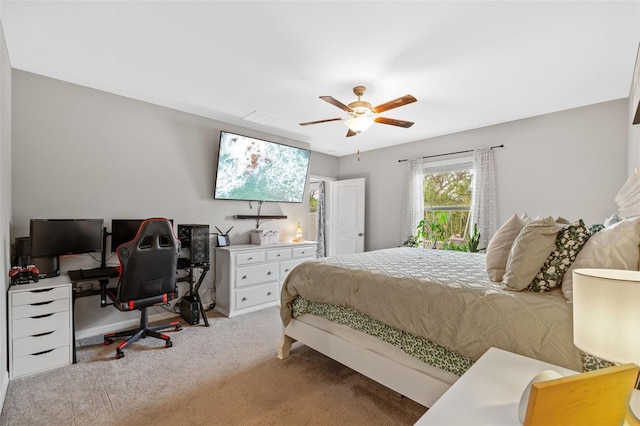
(489,392)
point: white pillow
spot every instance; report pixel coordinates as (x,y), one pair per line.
(530,250)
(500,245)
(614,247)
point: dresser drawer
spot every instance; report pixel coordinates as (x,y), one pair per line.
(32,326)
(29,364)
(256,295)
(309,252)
(33,344)
(286,267)
(249,275)
(36,296)
(41,308)
(282,254)
(250,257)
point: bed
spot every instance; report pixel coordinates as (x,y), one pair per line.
(415,319)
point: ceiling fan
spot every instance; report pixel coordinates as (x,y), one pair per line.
(361,115)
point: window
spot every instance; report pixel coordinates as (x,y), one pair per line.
(447,198)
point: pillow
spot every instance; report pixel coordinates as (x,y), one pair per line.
(614,247)
(569,242)
(500,245)
(529,251)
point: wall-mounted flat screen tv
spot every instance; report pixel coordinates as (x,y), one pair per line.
(257,170)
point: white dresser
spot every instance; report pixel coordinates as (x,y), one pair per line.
(39,325)
(249,277)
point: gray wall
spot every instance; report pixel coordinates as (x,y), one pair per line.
(5,203)
(570,163)
(83,153)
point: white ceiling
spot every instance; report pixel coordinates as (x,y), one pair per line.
(469,64)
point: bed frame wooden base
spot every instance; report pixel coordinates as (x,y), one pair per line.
(407,381)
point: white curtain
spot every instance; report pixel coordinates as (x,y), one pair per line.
(320,221)
(413,209)
(483,204)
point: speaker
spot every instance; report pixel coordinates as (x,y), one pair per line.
(189,310)
(47,266)
(194,245)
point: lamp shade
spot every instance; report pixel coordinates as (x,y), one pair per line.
(359,124)
(606,314)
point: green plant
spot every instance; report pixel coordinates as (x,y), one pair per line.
(435,230)
(412,241)
(474,239)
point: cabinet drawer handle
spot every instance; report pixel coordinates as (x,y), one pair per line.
(278,255)
(41,290)
(42,316)
(286,270)
(269,293)
(244,299)
(43,352)
(302,252)
(41,303)
(43,334)
(244,277)
(249,258)
(269,273)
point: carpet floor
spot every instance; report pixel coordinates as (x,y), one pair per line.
(225,374)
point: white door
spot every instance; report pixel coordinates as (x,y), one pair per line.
(348,235)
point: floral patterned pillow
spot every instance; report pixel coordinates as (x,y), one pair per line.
(569,242)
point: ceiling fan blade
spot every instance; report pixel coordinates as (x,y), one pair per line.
(320,121)
(351,133)
(406,99)
(334,101)
(394,122)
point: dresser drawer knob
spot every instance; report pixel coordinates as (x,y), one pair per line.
(269,273)
(43,352)
(269,293)
(244,277)
(249,258)
(286,270)
(244,299)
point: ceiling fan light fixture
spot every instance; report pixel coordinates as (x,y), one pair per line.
(359,124)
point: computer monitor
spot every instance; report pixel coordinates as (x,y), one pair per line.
(124,230)
(59,237)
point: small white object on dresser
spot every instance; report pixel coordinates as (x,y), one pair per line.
(249,277)
(40,324)
(489,392)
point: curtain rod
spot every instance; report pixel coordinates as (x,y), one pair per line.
(451,153)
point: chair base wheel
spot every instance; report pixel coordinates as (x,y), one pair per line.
(107,341)
(119,354)
(168,344)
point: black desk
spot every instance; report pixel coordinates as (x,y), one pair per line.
(76,277)
(193,290)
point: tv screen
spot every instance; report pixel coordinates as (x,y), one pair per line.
(125,230)
(57,237)
(257,170)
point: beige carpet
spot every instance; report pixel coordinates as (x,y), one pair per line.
(225,374)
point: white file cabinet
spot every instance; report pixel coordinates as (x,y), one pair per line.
(40,324)
(249,277)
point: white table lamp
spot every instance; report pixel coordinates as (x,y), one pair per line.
(606,316)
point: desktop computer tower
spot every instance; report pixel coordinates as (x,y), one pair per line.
(47,266)
(189,310)
(194,241)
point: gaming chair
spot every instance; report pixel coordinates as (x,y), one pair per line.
(147,278)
